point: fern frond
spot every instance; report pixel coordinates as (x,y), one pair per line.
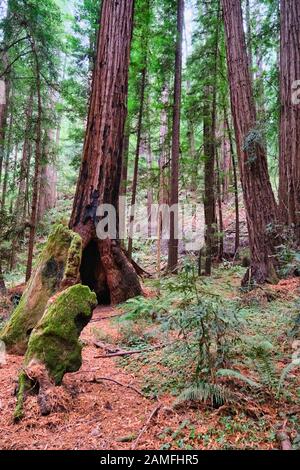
(237,375)
(205,392)
(285,372)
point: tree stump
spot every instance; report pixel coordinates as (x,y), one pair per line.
(57,268)
(54,347)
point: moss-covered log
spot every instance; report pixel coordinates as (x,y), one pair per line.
(57,268)
(54,347)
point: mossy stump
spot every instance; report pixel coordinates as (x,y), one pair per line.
(57,268)
(54,347)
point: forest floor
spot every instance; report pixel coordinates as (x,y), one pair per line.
(91,411)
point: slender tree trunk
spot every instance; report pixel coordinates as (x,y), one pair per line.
(20,202)
(7,160)
(209,182)
(37,166)
(236,189)
(2,282)
(4,106)
(164,149)
(226,165)
(259,199)
(105,268)
(220,211)
(173,241)
(48,181)
(209,140)
(289,169)
(26,205)
(137,156)
(150,189)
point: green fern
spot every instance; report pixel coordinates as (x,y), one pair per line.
(237,375)
(205,392)
(285,372)
(266,369)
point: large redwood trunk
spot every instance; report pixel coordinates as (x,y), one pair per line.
(289,170)
(259,199)
(105,268)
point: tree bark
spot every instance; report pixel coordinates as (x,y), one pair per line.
(137,156)
(209,182)
(236,189)
(4,105)
(48,182)
(173,241)
(7,160)
(37,165)
(2,281)
(209,144)
(289,162)
(220,210)
(259,199)
(105,268)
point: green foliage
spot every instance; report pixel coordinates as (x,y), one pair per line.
(205,392)
(141,307)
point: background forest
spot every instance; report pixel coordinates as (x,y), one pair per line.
(203,351)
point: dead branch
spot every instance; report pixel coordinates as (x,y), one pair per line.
(109,379)
(130,353)
(148,422)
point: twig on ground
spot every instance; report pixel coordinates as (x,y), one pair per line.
(130,353)
(109,379)
(108,317)
(144,429)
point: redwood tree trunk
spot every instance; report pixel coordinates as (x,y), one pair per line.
(289,170)
(48,182)
(105,268)
(259,199)
(173,241)
(137,156)
(236,189)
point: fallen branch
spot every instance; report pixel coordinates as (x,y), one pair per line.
(130,353)
(108,317)
(144,429)
(99,379)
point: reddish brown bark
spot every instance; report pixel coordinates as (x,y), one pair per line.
(137,155)
(105,268)
(236,189)
(259,199)
(173,241)
(48,182)
(289,169)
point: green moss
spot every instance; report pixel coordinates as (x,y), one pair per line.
(54,342)
(58,262)
(23,381)
(74,258)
